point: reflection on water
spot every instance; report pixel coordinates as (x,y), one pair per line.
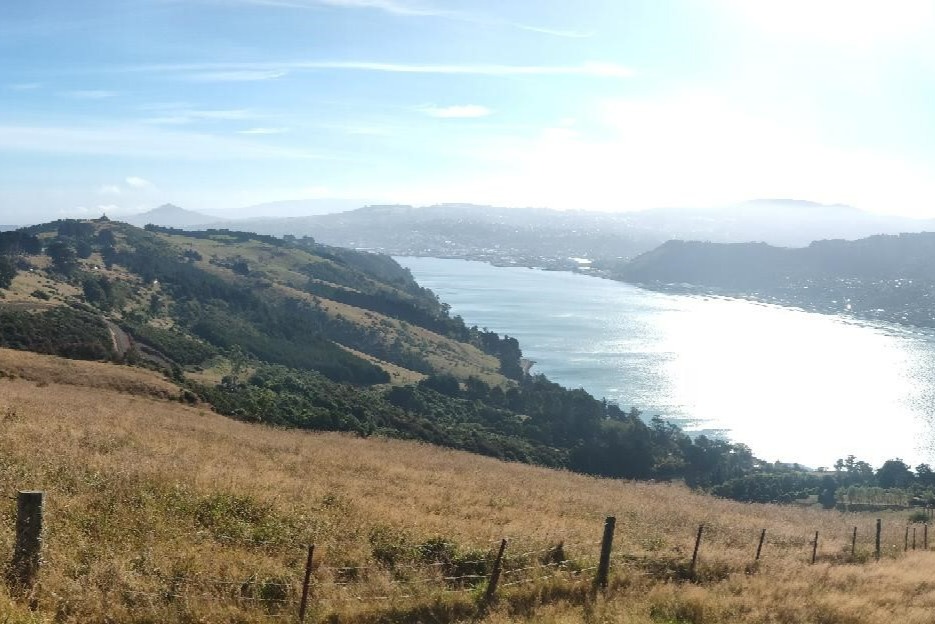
(793,385)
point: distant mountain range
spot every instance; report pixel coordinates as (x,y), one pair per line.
(539,236)
(534,235)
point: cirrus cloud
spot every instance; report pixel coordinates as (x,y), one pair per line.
(458,111)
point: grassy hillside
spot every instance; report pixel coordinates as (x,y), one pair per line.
(295,334)
(164,512)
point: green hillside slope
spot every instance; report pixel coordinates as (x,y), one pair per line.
(296,334)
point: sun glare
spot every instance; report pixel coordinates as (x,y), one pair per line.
(858,23)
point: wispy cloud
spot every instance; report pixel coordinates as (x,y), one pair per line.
(89,94)
(557,32)
(395,7)
(109,189)
(179,115)
(24,86)
(138,182)
(263,131)
(248,75)
(593,69)
(459,111)
(140,141)
(174,120)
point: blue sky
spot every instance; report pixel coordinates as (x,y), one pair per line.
(596,104)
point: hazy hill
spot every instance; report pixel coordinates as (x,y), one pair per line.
(291,208)
(534,236)
(298,334)
(890,277)
(544,237)
(781,222)
(170,215)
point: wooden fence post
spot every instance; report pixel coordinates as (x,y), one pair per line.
(308,577)
(691,570)
(607,542)
(27,550)
(759,547)
(854,544)
(495,574)
(906,542)
(925,536)
(815,547)
(879,527)
(913,538)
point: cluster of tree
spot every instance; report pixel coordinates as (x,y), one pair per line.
(18,243)
(60,331)
(536,421)
(7,272)
(776,487)
(852,480)
(12,245)
(172,344)
(287,339)
(230,237)
(103,292)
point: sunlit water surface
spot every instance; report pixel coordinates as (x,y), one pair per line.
(793,385)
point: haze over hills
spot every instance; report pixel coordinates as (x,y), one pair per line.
(887,277)
(780,222)
(545,237)
(170,215)
(291,208)
(537,236)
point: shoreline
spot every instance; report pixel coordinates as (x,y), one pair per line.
(888,319)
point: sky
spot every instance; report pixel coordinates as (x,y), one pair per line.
(617,105)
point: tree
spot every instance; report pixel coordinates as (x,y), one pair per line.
(894,473)
(7,272)
(64,258)
(107,238)
(826,495)
(851,471)
(925,475)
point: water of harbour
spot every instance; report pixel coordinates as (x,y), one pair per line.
(792,385)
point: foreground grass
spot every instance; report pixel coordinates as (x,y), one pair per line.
(160,512)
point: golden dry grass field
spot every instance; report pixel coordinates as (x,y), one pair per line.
(161,512)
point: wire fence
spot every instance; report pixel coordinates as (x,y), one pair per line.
(433,569)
